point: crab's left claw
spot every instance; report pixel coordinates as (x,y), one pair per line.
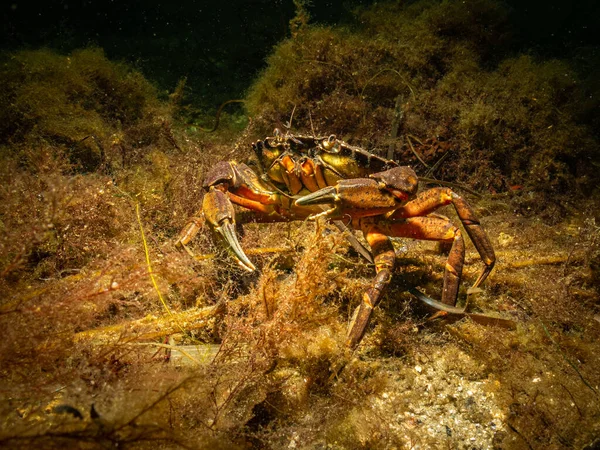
(219,213)
(325,196)
(357,197)
(322,196)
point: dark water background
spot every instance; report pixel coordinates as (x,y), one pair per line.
(221,46)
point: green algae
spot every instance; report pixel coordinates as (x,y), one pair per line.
(72,264)
(62,100)
(508,121)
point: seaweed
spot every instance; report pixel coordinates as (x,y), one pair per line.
(62,101)
(111,337)
(508,122)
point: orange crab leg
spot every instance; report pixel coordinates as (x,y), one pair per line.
(250,204)
(435,229)
(376,232)
(385,258)
(265,198)
(430,200)
(191,229)
(425,203)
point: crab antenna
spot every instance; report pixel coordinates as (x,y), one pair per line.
(312,128)
(288,124)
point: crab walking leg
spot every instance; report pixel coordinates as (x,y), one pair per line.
(385,258)
(430,200)
(435,229)
(191,229)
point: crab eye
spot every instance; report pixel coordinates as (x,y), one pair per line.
(276,132)
(329,142)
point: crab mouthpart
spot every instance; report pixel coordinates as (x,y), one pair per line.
(325,195)
(227,230)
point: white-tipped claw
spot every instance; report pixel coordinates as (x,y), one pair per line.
(227,230)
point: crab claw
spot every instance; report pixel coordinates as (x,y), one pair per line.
(358,197)
(322,196)
(328,195)
(219,213)
(402,181)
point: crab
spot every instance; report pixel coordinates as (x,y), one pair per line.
(306,177)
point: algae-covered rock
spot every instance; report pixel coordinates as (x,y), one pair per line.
(97,177)
(82,102)
(442,70)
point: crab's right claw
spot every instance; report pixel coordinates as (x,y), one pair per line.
(219,213)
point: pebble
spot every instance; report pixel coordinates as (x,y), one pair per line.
(440,406)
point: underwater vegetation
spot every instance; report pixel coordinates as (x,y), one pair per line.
(435,70)
(112,337)
(81,102)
